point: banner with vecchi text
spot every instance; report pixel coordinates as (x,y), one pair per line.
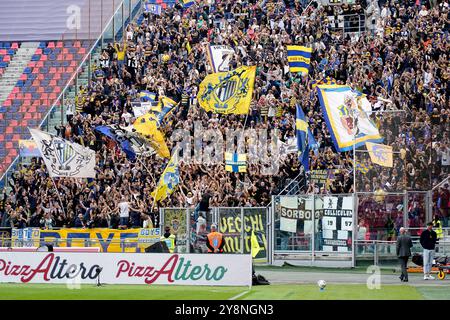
(108,240)
(130,268)
(232,227)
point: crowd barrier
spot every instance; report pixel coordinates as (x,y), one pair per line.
(346,228)
(130,268)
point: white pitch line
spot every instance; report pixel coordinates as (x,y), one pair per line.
(239,295)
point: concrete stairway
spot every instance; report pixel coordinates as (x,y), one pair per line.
(15,69)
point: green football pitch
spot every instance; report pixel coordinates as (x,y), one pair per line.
(271,292)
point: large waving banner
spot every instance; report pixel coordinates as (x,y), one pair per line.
(228,92)
(219,57)
(345,112)
(129,268)
(131,143)
(64,158)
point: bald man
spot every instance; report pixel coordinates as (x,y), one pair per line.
(404,245)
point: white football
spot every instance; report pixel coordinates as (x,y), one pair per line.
(322,284)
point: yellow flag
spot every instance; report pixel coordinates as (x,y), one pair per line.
(380,154)
(168,181)
(188,47)
(228,92)
(147,125)
(255,245)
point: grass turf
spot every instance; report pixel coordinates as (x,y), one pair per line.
(272,292)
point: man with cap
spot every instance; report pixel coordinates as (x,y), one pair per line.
(428,239)
(169,239)
(215,241)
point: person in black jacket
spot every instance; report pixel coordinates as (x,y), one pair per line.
(428,240)
(404,245)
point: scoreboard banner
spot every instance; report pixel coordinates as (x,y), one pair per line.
(129,268)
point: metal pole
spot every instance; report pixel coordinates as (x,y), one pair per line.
(101,19)
(59,197)
(405,209)
(272,233)
(123,23)
(314,228)
(113,22)
(355,229)
(242,230)
(188,231)
(130,13)
(89,21)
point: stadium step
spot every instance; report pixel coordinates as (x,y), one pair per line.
(15,69)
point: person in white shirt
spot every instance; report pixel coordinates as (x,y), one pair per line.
(124,213)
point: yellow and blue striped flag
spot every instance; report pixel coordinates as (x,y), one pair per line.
(327,80)
(187,3)
(146,96)
(363,168)
(235,162)
(299,58)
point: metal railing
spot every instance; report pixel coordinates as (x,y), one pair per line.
(379,252)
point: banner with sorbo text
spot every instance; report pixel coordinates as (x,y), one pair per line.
(126,268)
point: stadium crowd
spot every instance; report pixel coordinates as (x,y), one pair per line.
(402,57)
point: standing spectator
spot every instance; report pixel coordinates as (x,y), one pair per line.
(404,245)
(428,240)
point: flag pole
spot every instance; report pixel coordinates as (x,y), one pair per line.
(59,196)
(141,162)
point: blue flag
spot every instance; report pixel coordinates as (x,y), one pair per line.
(117,134)
(305,138)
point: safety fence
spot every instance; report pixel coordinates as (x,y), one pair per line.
(383,253)
(346,229)
(238,226)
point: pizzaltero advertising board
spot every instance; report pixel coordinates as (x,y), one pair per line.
(130,268)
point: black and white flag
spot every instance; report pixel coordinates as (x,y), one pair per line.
(64,158)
